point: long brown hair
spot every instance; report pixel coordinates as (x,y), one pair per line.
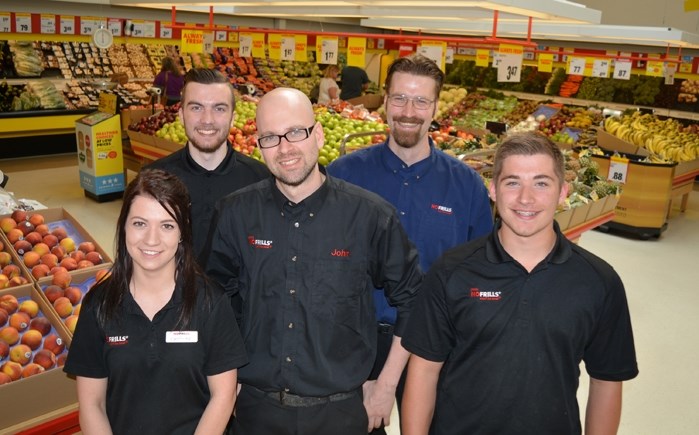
(172,194)
(169,65)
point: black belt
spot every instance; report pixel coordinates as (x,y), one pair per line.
(294,401)
(385,328)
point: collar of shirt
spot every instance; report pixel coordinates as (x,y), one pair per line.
(131,307)
(396,166)
(311,204)
(223,168)
(495,253)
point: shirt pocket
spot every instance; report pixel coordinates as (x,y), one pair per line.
(337,290)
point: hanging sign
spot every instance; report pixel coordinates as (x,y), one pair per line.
(88,25)
(208,43)
(48,24)
(622,70)
(510,64)
(482,57)
(192,41)
(67,25)
(23,22)
(326,50)
(545,62)
(600,68)
(618,168)
(669,73)
(576,65)
(654,68)
(435,50)
(301,48)
(258,45)
(245,48)
(274,46)
(288,47)
(232,36)
(149,29)
(114,26)
(356,52)
(165,31)
(221,36)
(449,57)
(5,24)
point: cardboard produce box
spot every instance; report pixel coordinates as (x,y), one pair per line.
(613,143)
(130,116)
(14,259)
(29,398)
(83,280)
(369,101)
(59,217)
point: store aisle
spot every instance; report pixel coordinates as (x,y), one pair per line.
(661,279)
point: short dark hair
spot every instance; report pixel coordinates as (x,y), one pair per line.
(172,194)
(206,76)
(528,144)
(418,65)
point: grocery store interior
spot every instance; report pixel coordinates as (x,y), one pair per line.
(649,233)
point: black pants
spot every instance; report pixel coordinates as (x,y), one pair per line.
(385,340)
(259,414)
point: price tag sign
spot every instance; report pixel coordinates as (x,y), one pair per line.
(618,168)
(328,51)
(301,48)
(450,55)
(138,30)
(67,25)
(88,25)
(288,47)
(149,29)
(496,59)
(245,49)
(23,23)
(545,62)
(114,26)
(208,42)
(258,45)
(48,24)
(576,66)
(669,73)
(510,67)
(165,32)
(654,68)
(221,36)
(435,50)
(600,68)
(622,70)
(482,57)
(107,103)
(5,25)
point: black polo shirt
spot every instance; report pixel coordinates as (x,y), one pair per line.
(305,273)
(512,341)
(157,377)
(206,187)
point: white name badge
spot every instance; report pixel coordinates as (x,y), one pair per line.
(181,336)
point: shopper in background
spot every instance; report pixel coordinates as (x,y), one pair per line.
(170,80)
(155,351)
(208,165)
(440,201)
(354,82)
(329,91)
(502,323)
(303,251)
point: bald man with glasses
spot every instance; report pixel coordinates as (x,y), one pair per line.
(302,253)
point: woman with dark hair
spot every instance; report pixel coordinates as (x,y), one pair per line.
(170,80)
(156,348)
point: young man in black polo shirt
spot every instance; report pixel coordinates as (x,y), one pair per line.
(303,251)
(502,323)
(208,165)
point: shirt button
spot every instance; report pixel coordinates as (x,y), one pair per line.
(402,213)
(292,291)
(282,213)
(291,325)
(293,258)
(405,184)
(286,390)
(296,224)
(310,214)
(288,359)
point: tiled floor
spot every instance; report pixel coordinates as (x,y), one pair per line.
(661,278)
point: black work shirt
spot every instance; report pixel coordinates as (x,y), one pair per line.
(157,379)
(206,187)
(305,273)
(512,341)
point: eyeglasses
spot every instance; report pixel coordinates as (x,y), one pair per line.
(401,100)
(295,135)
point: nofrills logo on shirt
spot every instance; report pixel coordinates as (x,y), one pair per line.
(259,243)
(441,209)
(485,296)
(118,340)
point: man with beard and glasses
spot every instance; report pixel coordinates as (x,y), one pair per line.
(302,253)
(208,165)
(441,202)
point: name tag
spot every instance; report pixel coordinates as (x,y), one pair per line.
(181,336)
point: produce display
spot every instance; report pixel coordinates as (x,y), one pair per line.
(26,59)
(668,138)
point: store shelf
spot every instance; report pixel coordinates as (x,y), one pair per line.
(39,123)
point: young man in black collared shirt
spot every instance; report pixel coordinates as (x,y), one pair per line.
(303,252)
(208,165)
(503,322)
